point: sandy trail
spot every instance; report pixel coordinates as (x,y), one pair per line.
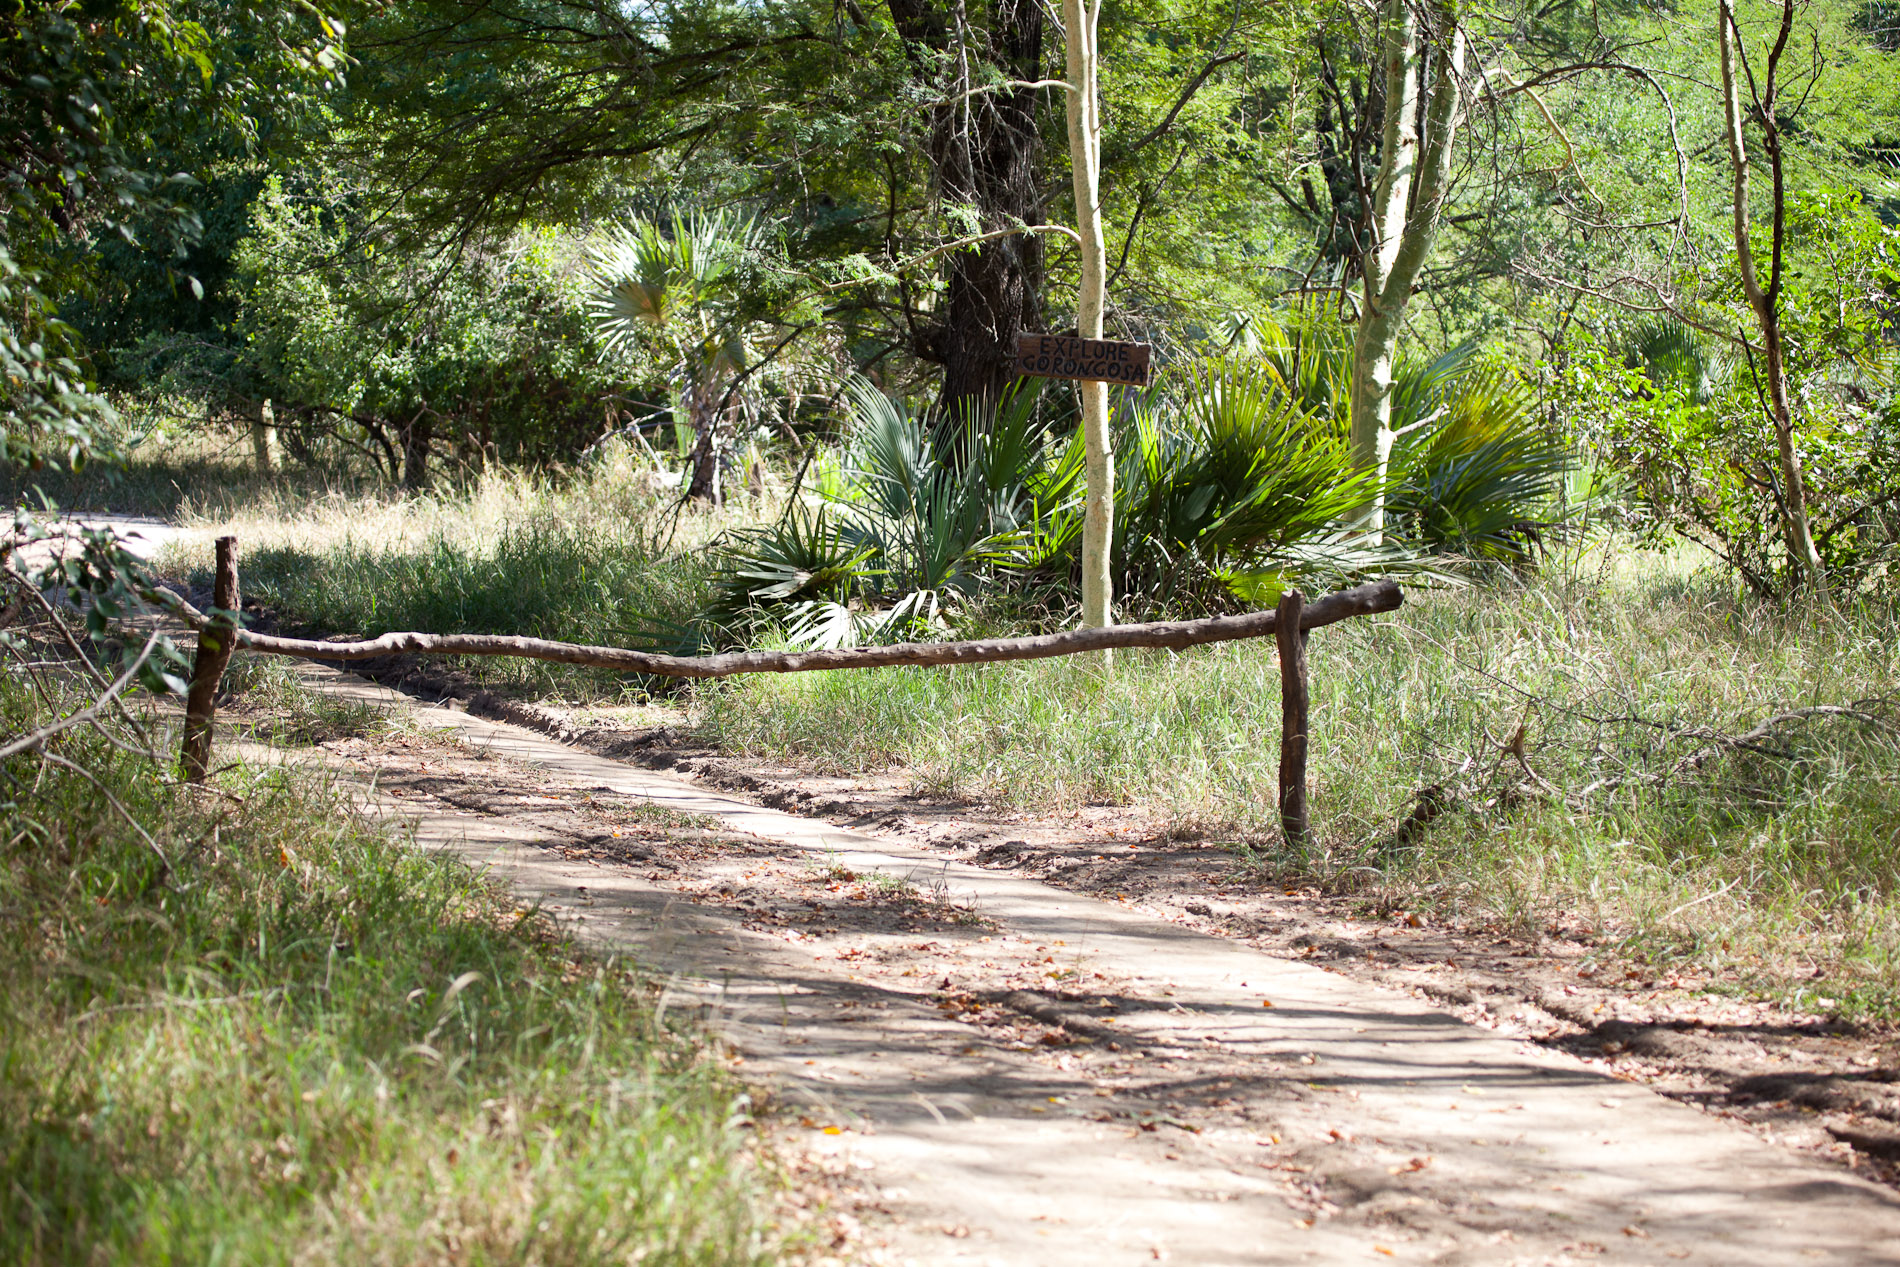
(143,537)
(1067,1080)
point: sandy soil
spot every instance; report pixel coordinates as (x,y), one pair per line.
(1804,1080)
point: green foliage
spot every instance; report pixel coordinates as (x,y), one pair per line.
(1473,470)
(566,111)
(48,409)
(1224,490)
(681,282)
(487,356)
(922,518)
(1682,413)
(1479,476)
(1704,471)
(1234,479)
(107,113)
(573,580)
(1223,484)
(1775,865)
(804,567)
(137,318)
(95,570)
(1672,356)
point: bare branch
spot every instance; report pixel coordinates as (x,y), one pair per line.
(935,251)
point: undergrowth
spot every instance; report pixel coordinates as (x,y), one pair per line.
(262,698)
(570,581)
(1771,864)
(1622,808)
(270,1034)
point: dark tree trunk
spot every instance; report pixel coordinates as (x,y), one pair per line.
(984,151)
(416,437)
(713,438)
(705,484)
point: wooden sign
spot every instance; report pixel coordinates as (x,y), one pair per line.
(1058,356)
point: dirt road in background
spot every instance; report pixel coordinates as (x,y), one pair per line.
(1014,1072)
(142,537)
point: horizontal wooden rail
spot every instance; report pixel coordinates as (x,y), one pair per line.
(1363,600)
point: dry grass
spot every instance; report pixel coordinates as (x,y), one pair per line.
(1771,863)
(619,495)
(605,555)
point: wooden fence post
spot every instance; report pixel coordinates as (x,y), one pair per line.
(215,642)
(1293,708)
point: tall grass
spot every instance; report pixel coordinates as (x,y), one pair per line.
(565,580)
(598,556)
(296,1040)
(1763,862)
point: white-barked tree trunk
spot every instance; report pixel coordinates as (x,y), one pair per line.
(1407,206)
(1080,20)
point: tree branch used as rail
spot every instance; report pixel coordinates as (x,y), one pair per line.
(1364,600)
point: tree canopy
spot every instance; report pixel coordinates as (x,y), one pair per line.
(323,209)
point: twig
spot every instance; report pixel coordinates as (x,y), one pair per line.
(1007,85)
(31,591)
(1706,897)
(935,251)
(1363,600)
(34,739)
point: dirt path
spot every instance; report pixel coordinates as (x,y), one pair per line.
(1022,1074)
(143,537)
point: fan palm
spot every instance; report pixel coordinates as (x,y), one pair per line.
(1225,487)
(680,284)
(1471,471)
(921,517)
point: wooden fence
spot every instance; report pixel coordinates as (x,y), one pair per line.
(1289,624)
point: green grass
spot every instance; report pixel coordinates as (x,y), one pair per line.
(268,702)
(594,555)
(1758,867)
(572,580)
(296,1040)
